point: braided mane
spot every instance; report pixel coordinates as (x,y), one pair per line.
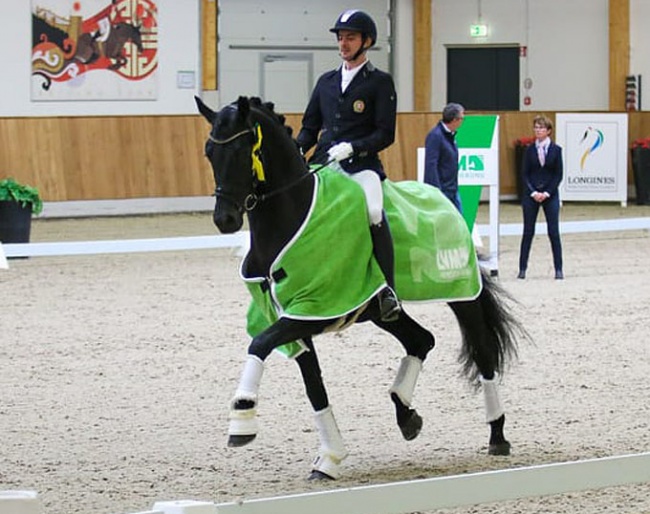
(269,109)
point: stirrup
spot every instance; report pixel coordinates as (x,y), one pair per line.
(389,306)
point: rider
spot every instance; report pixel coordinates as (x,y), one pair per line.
(351,117)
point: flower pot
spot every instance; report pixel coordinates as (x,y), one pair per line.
(15,222)
(641,169)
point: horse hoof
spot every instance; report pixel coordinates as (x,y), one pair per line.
(411,426)
(235,441)
(319,475)
(499,448)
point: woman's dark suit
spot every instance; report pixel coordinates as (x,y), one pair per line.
(543,179)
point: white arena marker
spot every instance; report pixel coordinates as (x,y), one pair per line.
(3,260)
(186,507)
(20,502)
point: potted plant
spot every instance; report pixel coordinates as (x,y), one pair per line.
(641,169)
(17,204)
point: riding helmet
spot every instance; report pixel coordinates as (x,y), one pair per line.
(356,21)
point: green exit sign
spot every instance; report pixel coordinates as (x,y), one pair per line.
(478,30)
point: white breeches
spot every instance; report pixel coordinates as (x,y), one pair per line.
(371,184)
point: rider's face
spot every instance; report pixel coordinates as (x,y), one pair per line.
(349,44)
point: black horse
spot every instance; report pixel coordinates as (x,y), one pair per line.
(259,171)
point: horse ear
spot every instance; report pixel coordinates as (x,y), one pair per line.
(207,113)
(243,106)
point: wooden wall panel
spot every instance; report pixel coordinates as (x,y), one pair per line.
(422,30)
(209,55)
(619,52)
(162,156)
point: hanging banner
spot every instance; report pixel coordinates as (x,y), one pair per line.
(594,149)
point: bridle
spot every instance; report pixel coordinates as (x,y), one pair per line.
(253,199)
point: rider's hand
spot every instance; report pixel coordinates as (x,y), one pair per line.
(341,151)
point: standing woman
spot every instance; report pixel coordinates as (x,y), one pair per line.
(542,174)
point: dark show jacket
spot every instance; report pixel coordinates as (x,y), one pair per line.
(441,161)
(364,115)
(547,178)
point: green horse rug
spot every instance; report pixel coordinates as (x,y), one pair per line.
(327,270)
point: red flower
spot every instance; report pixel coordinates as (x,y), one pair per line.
(524,141)
(643,142)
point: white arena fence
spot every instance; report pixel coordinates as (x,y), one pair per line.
(240,240)
(392,498)
(410,496)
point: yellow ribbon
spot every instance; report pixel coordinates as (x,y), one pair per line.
(258,168)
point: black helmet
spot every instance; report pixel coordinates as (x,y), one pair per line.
(356,21)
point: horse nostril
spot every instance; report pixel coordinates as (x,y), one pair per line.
(228,223)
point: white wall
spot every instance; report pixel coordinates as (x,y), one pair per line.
(567,47)
(179,49)
(567,59)
(285,31)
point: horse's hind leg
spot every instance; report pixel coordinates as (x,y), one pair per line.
(332,448)
(417,342)
(495,416)
(488,339)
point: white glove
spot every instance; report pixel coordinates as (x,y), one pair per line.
(340,151)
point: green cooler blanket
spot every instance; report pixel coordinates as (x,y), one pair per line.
(327,270)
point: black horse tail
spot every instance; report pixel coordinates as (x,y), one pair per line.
(490,331)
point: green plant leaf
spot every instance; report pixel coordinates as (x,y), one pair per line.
(10,190)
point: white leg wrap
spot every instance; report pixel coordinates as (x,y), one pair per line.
(493,407)
(332,449)
(249,382)
(407,377)
(244,421)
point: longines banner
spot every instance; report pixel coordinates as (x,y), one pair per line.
(594,148)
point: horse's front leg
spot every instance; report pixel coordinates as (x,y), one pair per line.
(243,426)
(332,451)
(417,342)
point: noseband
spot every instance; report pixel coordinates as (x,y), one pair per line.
(253,199)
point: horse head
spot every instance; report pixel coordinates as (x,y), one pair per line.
(231,151)
(248,142)
(126,32)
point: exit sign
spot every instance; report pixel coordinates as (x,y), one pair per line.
(478,30)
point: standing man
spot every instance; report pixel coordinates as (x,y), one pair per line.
(441,153)
(351,117)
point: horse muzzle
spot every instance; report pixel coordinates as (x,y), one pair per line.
(227,217)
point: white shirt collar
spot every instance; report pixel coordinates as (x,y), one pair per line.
(348,75)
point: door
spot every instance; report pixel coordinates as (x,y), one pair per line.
(281,73)
(484,79)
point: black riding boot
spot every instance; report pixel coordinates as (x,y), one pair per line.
(382,242)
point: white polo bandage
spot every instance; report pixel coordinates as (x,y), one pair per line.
(249,383)
(493,407)
(407,377)
(331,441)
